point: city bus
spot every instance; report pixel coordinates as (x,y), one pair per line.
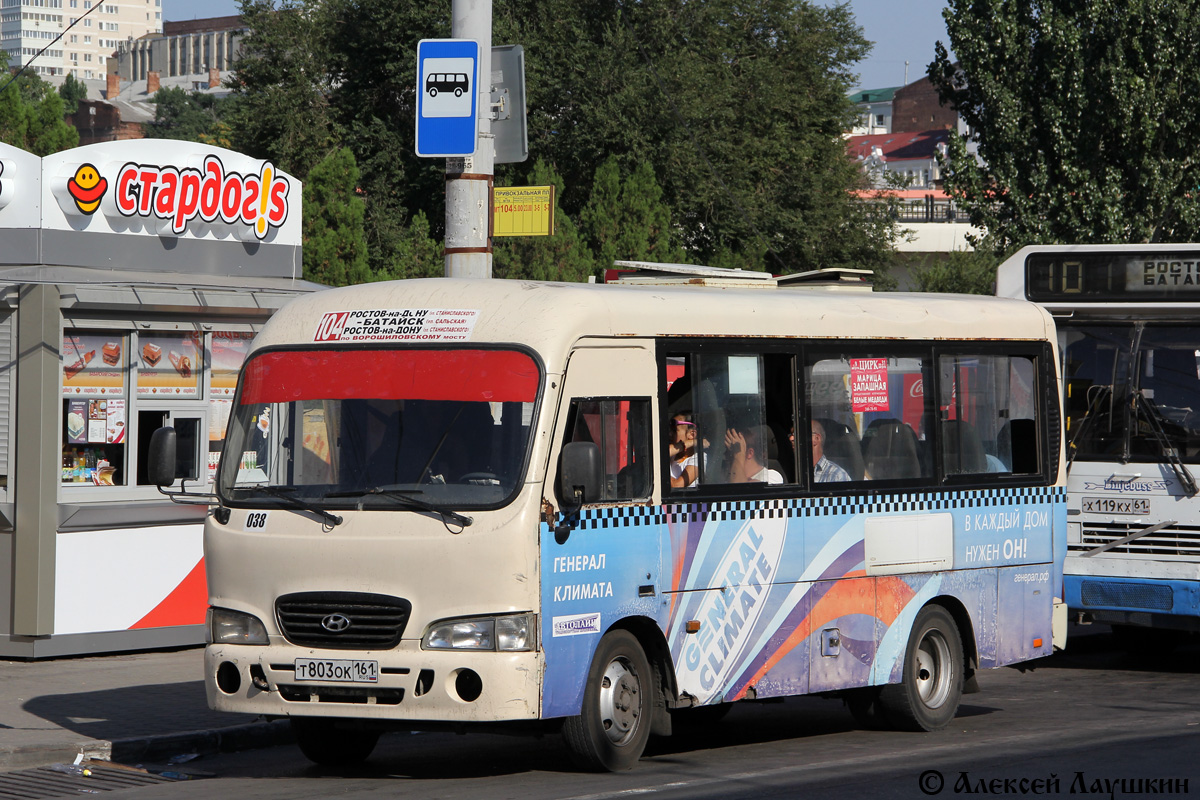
(458,504)
(1126,317)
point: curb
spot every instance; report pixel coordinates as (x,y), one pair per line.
(157,748)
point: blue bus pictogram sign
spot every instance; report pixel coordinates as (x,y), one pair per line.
(447,97)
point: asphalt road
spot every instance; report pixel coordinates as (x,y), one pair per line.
(1079,724)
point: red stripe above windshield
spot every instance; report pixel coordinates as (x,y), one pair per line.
(497,376)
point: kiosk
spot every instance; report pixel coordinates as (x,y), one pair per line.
(133,276)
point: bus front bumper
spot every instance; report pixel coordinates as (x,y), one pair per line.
(409,683)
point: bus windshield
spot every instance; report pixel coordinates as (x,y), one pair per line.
(1133,391)
(380,428)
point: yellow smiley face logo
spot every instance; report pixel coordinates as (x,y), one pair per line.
(87,188)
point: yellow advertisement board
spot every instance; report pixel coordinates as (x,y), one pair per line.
(523,211)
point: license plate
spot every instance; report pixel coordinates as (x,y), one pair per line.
(1116,505)
(339,670)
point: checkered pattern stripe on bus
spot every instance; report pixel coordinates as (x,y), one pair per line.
(680,513)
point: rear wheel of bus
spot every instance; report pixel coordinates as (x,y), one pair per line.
(927,697)
(323,742)
(611,731)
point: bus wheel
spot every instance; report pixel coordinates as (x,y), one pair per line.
(433,91)
(927,697)
(611,731)
(322,742)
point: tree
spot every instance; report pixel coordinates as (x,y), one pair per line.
(71,92)
(626,219)
(280,88)
(31,115)
(335,249)
(737,106)
(1084,118)
(960,272)
(192,117)
(564,256)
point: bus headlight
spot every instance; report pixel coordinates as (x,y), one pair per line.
(234,627)
(512,633)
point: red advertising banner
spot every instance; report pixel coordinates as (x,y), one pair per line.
(868,384)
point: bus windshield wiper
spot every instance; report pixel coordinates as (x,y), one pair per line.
(405,498)
(1171,453)
(282,493)
(1085,424)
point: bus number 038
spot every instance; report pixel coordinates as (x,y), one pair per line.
(256,520)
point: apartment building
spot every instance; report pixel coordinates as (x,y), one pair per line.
(91,30)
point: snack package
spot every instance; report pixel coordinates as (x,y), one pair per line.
(181,363)
(151,354)
(71,370)
(111,353)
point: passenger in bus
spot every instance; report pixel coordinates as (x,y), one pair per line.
(685,470)
(744,447)
(824,470)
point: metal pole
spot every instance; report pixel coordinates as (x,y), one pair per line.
(469,180)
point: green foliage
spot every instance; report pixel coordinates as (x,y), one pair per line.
(724,119)
(71,92)
(335,249)
(192,117)
(1084,115)
(564,256)
(627,219)
(280,109)
(31,115)
(416,253)
(960,272)
(738,108)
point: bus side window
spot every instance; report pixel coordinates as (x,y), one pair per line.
(987,413)
(620,427)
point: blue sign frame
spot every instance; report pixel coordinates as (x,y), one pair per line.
(447,97)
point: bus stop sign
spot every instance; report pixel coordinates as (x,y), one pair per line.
(447,97)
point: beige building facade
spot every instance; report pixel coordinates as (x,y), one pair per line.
(90,34)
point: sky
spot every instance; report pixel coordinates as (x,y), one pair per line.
(902,30)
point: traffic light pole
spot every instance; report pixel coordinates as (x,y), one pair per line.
(468,247)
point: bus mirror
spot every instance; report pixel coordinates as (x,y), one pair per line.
(162,457)
(579,475)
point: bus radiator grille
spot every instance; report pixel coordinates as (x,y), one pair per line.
(342,620)
(1177,541)
(1107,594)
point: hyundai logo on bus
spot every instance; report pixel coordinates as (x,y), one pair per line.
(336,623)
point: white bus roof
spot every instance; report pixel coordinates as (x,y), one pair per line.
(550,317)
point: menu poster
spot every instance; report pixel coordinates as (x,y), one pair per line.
(868,384)
(218,419)
(229,351)
(169,364)
(97,426)
(77,421)
(94,364)
(115,422)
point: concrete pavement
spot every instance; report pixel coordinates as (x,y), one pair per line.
(126,707)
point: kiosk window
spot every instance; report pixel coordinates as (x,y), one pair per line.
(95,368)
(187,446)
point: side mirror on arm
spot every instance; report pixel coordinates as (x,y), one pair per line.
(162,462)
(580,474)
